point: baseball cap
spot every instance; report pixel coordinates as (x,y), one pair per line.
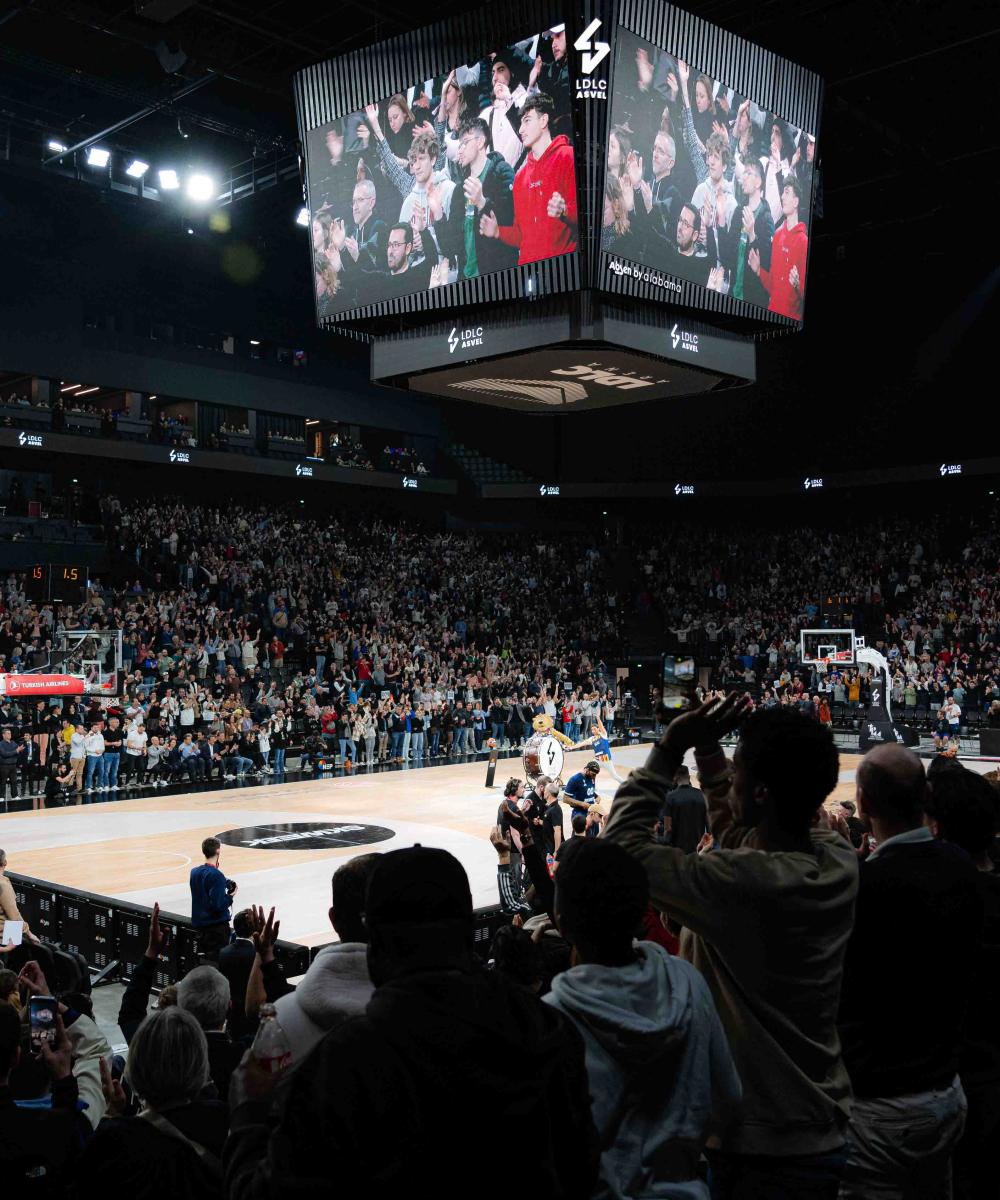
(593,765)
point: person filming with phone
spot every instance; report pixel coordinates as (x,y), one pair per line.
(211,901)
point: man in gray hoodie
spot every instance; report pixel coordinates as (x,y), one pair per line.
(658,1063)
(337,984)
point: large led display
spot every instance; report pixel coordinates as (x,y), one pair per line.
(704,184)
(460,176)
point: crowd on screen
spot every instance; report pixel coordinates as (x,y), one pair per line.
(356,641)
(705,184)
(746,989)
(464,175)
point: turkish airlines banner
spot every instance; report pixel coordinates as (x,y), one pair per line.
(41,685)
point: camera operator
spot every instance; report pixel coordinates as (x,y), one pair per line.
(211,901)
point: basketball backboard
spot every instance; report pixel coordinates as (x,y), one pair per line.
(94,655)
(828,647)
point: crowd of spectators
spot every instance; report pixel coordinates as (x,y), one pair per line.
(402,460)
(357,642)
(753,1015)
(923,592)
(349,452)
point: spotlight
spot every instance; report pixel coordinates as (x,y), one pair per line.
(97,157)
(136,168)
(181,130)
(200,188)
(168,180)
(303,217)
(57,147)
(190,230)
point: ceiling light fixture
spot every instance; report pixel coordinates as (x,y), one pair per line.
(137,168)
(168,180)
(200,188)
(98,157)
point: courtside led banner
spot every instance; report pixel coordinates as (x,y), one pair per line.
(41,685)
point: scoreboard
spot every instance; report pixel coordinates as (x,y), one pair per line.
(58,582)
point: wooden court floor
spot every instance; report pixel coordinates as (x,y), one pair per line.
(141,850)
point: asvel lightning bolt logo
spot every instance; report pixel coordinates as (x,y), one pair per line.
(674,336)
(453,340)
(593,54)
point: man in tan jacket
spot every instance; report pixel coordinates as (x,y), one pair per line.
(766,915)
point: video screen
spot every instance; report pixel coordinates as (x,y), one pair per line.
(704,184)
(462,175)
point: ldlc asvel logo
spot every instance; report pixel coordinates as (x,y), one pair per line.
(592,54)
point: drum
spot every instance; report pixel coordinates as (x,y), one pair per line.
(543,755)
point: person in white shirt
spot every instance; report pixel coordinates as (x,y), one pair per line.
(135,754)
(93,744)
(950,719)
(77,759)
(503,116)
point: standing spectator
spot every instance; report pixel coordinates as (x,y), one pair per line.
(337,985)
(8,764)
(135,754)
(94,745)
(905,1073)
(211,900)
(236,962)
(963,809)
(111,759)
(660,1071)
(684,814)
(427,1054)
(766,920)
(78,758)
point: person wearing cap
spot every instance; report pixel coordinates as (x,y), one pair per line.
(443,1052)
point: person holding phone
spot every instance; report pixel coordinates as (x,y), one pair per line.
(211,901)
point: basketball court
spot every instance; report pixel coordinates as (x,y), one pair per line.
(282,843)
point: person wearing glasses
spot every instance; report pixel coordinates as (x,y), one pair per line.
(696,266)
(487,182)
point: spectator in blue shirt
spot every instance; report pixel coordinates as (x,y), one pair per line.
(211,900)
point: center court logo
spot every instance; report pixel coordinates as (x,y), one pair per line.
(464,338)
(305,835)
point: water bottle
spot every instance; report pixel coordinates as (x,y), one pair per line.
(270,1047)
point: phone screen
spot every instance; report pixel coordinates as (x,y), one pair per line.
(678,682)
(42,1012)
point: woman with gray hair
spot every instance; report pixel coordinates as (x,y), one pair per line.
(173,1146)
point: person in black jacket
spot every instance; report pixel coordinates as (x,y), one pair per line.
(204,992)
(174,1147)
(909,971)
(487,180)
(684,815)
(39,1147)
(443,1046)
(236,962)
(964,809)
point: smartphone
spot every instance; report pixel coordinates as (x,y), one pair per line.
(679,677)
(42,1012)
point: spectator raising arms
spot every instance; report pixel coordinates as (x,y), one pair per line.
(766,920)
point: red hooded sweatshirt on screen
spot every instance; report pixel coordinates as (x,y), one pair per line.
(534,232)
(788,249)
